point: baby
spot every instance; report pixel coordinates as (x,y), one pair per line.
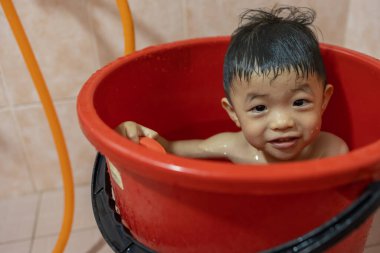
(276,93)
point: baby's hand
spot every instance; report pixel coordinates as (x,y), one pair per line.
(134,131)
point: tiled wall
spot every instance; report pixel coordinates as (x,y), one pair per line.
(71,39)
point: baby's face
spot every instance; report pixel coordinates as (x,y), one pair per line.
(279,117)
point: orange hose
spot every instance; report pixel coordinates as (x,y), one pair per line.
(128,27)
(51,115)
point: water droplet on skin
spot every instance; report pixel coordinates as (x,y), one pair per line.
(225,146)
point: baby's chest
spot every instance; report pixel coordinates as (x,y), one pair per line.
(246,157)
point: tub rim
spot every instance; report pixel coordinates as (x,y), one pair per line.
(290,177)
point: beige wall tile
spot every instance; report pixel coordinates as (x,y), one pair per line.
(331,21)
(41,151)
(51,211)
(215,17)
(16,247)
(89,240)
(82,153)
(221,17)
(363,32)
(107,30)
(17,218)
(14,72)
(157,22)
(60,35)
(14,173)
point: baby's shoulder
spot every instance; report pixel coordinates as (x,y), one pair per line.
(234,147)
(331,145)
(225,139)
(228,142)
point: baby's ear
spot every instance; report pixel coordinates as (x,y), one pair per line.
(327,93)
(230,111)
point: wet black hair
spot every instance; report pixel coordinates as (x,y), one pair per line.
(269,42)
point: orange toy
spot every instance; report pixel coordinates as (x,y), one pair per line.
(152,144)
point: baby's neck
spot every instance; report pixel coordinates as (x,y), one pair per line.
(248,154)
(307,153)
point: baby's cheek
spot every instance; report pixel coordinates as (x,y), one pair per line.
(312,126)
(255,135)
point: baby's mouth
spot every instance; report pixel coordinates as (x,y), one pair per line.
(284,143)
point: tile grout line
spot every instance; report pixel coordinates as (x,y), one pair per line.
(185,19)
(5,108)
(38,103)
(92,31)
(39,201)
(17,242)
(30,246)
(73,231)
(2,87)
(347,23)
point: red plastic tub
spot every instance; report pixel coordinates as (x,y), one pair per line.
(174,204)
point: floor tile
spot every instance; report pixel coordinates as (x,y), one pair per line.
(372,249)
(17,218)
(86,241)
(51,211)
(374,234)
(16,247)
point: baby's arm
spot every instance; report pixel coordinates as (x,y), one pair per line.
(214,147)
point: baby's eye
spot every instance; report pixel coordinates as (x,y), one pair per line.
(301,102)
(259,108)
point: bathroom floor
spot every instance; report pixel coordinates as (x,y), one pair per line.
(30,224)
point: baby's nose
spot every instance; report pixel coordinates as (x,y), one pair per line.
(281,122)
